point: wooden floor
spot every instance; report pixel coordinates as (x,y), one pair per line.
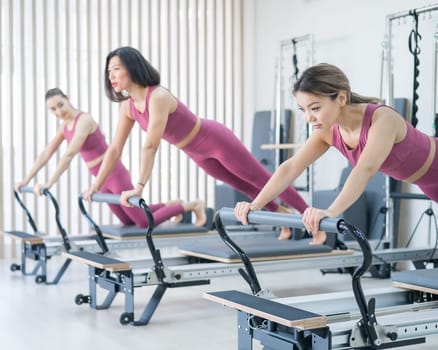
(46,317)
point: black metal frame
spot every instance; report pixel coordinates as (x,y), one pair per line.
(38,252)
(276,336)
(123,281)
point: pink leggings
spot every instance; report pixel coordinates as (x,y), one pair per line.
(428,183)
(223,156)
(119,180)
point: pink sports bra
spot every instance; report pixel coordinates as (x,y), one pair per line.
(405,158)
(94,145)
(179,125)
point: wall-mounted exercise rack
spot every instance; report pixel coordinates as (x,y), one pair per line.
(393,197)
(295,55)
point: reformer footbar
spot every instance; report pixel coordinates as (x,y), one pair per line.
(34,246)
(265,321)
(118,276)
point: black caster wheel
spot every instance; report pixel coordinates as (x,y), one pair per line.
(40,279)
(126,317)
(15,267)
(82,299)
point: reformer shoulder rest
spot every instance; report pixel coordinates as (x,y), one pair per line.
(280,313)
(99,261)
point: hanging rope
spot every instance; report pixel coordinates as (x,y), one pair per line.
(414,48)
(295,59)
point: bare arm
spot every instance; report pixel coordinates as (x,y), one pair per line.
(159,108)
(381,138)
(386,128)
(84,127)
(114,152)
(43,157)
(158,116)
(286,173)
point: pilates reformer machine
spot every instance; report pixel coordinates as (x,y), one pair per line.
(391,317)
(37,246)
(119,276)
(40,247)
(205,260)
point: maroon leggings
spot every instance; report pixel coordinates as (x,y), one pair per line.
(222,155)
(119,180)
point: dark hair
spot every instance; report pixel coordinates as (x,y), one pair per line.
(55,92)
(140,71)
(328,80)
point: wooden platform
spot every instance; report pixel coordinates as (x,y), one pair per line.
(265,258)
(280,313)
(420,280)
(99,261)
(23,236)
(415,287)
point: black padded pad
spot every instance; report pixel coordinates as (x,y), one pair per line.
(427,278)
(257,248)
(280,313)
(24,236)
(99,261)
(166,228)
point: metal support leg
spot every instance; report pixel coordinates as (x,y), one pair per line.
(60,272)
(42,259)
(128,289)
(93,281)
(244,333)
(25,253)
(151,306)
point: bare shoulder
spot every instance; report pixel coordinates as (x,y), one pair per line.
(387,114)
(161,95)
(125,109)
(324,136)
(390,121)
(86,118)
(86,121)
(60,131)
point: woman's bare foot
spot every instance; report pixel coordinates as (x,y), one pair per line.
(283,209)
(198,207)
(285,232)
(176,219)
(319,238)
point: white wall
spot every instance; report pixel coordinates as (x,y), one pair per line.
(349,34)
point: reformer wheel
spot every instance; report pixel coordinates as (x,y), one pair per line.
(15,267)
(81,299)
(40,279)
(126,317)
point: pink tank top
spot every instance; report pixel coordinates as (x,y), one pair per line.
(405,158)
(94,145)
(178,126)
